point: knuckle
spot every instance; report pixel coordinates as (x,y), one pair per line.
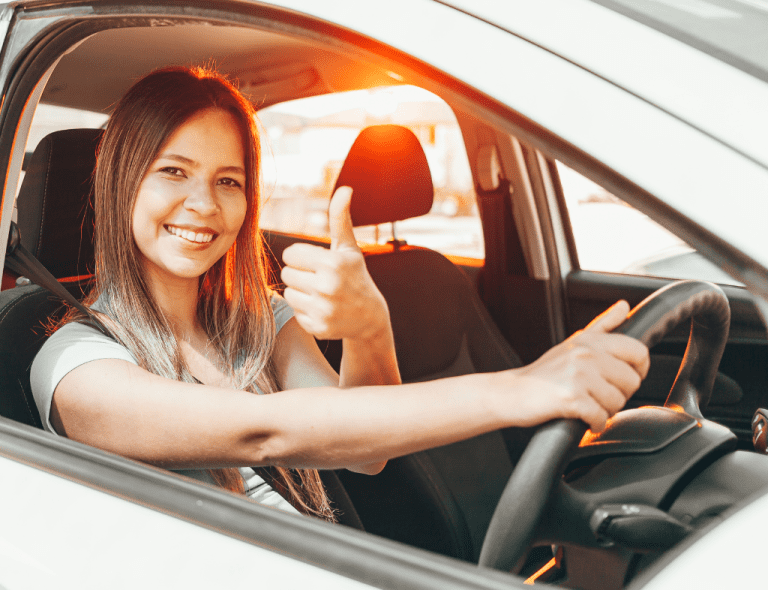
(334,261)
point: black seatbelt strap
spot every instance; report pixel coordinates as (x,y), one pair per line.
(21,261)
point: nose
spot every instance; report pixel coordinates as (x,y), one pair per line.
(202,199)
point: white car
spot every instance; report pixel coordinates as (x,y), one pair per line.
(659,104)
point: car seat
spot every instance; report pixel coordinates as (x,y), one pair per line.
(441,499)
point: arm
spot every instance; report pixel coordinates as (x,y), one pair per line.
(119,407)
(299,364)
(333,297)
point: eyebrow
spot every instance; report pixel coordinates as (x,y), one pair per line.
(189,161)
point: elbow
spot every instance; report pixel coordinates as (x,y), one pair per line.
(368,468)
(270,451)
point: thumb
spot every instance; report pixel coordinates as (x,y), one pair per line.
(340,219)
(611,318)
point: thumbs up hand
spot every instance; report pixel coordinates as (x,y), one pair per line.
(330,290)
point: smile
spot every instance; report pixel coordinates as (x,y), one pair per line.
(198,237)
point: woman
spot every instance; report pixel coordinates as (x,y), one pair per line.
(182,286)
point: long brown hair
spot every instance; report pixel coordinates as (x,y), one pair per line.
(233,300)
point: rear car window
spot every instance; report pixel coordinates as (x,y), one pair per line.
(306,141)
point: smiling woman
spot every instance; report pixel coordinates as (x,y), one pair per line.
(191,171)
(181,285)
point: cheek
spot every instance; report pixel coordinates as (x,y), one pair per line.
(237,214)
(147,211)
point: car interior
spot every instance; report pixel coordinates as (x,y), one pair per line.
(451,315)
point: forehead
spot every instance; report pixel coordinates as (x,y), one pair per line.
(208,135)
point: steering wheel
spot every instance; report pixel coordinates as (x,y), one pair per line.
(522,503)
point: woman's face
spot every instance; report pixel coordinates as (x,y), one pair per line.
(191,201)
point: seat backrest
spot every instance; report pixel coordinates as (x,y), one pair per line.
(55,206)
(391,181)
(55,221)
(430,499)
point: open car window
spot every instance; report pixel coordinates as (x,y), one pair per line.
(304,145)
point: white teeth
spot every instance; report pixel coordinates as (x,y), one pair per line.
(190,236)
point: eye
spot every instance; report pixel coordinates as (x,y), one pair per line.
(172,171)
(231,183)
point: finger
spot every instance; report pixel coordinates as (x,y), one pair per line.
(610,397)
(340,219)
(611,318)
(631,351)
(597,418)
(622,347)
(591,412)
(301,280)
(299,301)
(305,256)
(621,375)
(309,305)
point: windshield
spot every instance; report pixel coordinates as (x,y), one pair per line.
(733,31)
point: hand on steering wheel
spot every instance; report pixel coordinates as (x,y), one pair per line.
(522,503)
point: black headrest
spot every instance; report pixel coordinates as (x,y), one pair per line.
(389,175)
(55,209)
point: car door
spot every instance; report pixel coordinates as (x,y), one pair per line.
(528,128)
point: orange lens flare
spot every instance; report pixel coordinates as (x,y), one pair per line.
(543,570)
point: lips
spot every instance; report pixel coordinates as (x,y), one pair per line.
(202,235)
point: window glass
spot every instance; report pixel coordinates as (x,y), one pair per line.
(306,141)
(611,236)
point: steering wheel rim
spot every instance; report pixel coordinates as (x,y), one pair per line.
(527,492)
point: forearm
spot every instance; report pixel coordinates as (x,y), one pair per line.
(360,427)
(370,361)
